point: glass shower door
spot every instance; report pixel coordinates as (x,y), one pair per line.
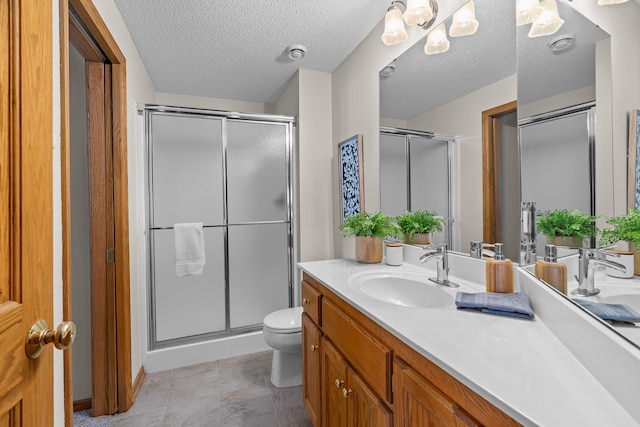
(258,215)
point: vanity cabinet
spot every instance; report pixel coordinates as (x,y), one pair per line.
(419,403)
(366,376)
(348,400)
(311,364)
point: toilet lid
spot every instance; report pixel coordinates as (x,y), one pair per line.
(287,320)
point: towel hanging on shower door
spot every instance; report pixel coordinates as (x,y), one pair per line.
(189,247)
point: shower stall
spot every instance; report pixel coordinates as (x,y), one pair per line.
(231,172)
(416,173)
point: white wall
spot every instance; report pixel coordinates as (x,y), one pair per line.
(621,22)
(176,100)
(462,117)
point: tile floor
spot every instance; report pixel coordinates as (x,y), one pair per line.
(230,392)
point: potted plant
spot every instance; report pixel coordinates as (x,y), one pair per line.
(625,228)
(566,227)
(416,226)
(369,229)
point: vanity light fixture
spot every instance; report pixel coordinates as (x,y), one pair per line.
(608,2)
(549,20)
(464,21)
(418,12)
(437,41)
(527,11)
(422,13)
(394,31)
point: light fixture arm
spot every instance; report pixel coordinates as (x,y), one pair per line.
(400,4)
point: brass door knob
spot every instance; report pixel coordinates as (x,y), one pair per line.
(40,335)
(346,393)
(339,383)
(314,347)
(305,301)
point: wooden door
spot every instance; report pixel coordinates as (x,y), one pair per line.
(311,360)
(334,370)
(26,211)
(364,408)
(419,403)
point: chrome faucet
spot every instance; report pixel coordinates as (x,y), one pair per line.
(528,242)
(477,249)
(587,259)
(439,252)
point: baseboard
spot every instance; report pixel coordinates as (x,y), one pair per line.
(81,405)
(138,383)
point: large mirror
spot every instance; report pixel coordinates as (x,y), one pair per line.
(446,94)
(566,77)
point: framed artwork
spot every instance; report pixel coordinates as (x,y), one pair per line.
(633,174)
(351,177)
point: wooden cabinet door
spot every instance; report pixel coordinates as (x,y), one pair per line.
(311,372)
(419,403)
(26,209)
(364,408)
(334,370)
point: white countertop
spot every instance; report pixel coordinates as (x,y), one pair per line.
(518,365)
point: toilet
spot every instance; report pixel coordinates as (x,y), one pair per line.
(282,330)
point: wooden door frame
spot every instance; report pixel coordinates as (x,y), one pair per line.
(111,312)
(491,221)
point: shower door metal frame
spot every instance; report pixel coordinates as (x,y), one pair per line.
(449,139)
(590,109)
(147,111)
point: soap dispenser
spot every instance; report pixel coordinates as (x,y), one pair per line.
(499,271)
(552,271)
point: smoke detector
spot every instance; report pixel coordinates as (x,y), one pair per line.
(562,42)
(296,51)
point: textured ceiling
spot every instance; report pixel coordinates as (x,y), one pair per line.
(422,82)
(237,49)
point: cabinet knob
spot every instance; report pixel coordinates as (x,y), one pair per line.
(314,347)
(339,383)
(346,393)
(305,301)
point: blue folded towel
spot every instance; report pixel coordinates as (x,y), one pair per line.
(613,312)
(514,304)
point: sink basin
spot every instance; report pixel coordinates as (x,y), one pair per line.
(402,288)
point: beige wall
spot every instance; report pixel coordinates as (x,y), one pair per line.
(176,100)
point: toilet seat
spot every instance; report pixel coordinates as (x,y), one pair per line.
(285,321)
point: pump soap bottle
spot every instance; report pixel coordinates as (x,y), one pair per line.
(552,271)
(499,271)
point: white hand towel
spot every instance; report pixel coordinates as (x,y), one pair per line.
(189,245)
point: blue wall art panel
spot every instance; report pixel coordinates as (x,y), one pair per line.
(351,185)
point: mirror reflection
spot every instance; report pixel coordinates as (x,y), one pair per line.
(563,135)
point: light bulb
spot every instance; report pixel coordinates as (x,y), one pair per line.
(437,41)
(464,21)
(394,31)
(418,12)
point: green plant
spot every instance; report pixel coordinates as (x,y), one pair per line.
(419,222)
(369,225)
(569,223)
(625,227)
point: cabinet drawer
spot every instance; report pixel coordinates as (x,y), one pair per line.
(311,299)
(368,356)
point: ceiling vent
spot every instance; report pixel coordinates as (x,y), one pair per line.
(296,51)
(562,42)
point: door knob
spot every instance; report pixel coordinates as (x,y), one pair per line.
(40,335)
